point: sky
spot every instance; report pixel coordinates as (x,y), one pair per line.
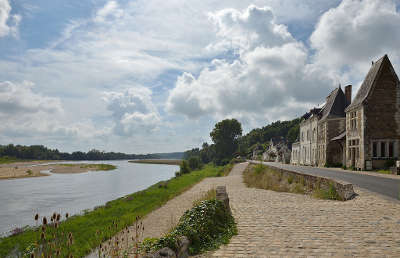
(149,76)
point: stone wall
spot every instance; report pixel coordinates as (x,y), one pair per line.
(345,190)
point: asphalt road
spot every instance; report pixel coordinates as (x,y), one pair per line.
(386,186)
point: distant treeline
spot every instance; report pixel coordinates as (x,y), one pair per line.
(40,152)
(256,139)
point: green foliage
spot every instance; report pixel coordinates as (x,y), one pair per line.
(40,152)
(389,163)
(207,226)
(184,167)
(329,194)
(29,172)
(265,177)
(259,168)
(7,160)
(384,171)
(124,210)
(333,165)
(290,180)
(194,163)
(225,137)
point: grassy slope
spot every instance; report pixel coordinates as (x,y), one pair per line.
(123,211)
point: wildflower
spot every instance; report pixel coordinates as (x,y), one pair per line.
(44,221)
(36,217)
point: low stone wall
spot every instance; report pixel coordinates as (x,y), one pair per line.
(344,189)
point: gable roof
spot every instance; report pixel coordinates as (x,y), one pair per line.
(335,105)
(369,81)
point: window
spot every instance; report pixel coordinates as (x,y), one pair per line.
(353,120)
(383,149)
(391,149)
(308,135)
(302,136)
(374,149)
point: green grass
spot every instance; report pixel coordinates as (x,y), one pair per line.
(96,167)
(264,177)
(384,171)
(7,160)
(123,211)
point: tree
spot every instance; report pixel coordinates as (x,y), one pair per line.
(225,137)
(194,163)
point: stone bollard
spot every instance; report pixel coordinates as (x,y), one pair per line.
(222,196)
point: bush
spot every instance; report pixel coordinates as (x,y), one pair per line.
(195,163)
(184,167)
(389,163)
(207,226)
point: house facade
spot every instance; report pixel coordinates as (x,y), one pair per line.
(363,133)
(318,127)
(373,119)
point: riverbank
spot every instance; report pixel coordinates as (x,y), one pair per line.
(36,168)
(175,162)
(124,210)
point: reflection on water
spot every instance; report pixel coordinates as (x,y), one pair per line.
(21,199)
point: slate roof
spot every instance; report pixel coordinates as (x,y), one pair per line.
(368,82)
(335,105)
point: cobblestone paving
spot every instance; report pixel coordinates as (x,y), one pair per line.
(283,224)
(292,225)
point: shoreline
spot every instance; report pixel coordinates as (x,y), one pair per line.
(101,218)
(35,169)
(175,162)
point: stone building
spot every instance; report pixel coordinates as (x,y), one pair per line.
(373,119)
(277,152)
(363,133)
(317,129)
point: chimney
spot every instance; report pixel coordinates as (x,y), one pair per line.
(347,93)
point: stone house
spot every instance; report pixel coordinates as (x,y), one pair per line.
(373,119)
(317,129)
(277,152)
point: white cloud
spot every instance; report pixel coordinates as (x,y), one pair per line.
(26,114)
(271,73)
(251,28)
(19,99)
(8,22)
(110,10)
(132,111)
(356,32)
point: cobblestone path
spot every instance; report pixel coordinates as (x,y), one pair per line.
(292,225)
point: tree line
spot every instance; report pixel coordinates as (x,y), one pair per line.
(228,141)
(40,152)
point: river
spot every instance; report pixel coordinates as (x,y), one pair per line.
(21,199)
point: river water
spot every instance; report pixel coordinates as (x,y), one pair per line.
(21,199)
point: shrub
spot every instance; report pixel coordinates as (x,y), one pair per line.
(194,163)
(389,163)
(290,180)
(177,173)
(259,168)
(207,226)
(184,167)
